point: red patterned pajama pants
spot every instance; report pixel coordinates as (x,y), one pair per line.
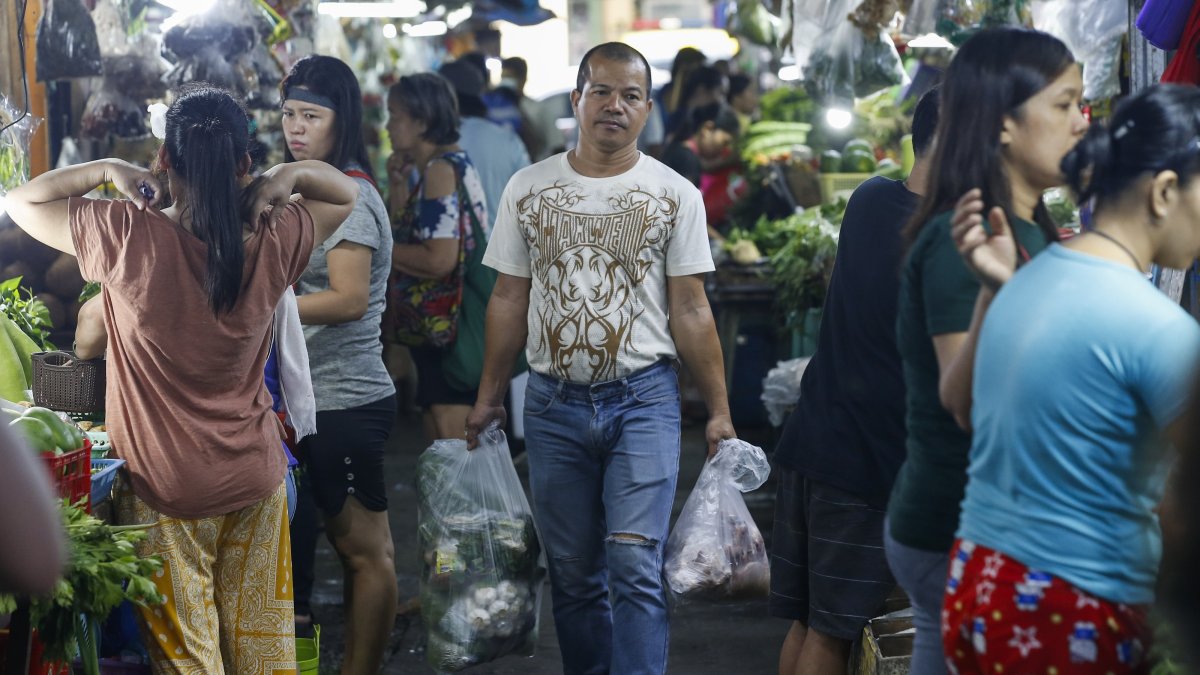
(999,616)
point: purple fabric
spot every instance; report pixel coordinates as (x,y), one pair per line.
(1163,21)
(271,379)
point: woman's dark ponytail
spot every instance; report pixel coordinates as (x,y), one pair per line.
(207,136)
(1088,160)
(1156,130)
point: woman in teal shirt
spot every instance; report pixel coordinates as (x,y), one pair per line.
(1010,112)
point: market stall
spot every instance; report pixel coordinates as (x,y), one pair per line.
(850,74)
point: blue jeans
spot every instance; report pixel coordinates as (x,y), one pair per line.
(922,574)
(603,463)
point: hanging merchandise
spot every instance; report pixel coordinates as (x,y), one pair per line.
(482,570)
(1163,21)
(848,62)
(66,42)
(111,112)
(750,20)
(808,23)
(138,68)
(1185,67)
(14,145)
(205,47)
(957,20)
(1093,30)
(921,17)
(715,551)
(261,73)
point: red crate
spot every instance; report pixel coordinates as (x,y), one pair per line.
(36,667)
(72,473)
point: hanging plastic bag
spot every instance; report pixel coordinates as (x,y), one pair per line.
(66,42)
(958,20)
(808,23)
(262,74)
(229,29)
(847,63)
(206,65)
(750,20)
(715,551)
(14,145)
(781,388)
(482,568)
(1093,30)
(921,17)
(111,112)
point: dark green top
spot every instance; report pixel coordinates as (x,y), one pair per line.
(937,296)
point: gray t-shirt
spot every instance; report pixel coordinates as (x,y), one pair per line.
(346,359)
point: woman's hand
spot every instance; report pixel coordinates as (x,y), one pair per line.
(991,257)
(261,198)
(399,167)
(137,184)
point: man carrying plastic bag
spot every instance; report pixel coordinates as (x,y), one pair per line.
(481,572)
(601,254)
(715,551)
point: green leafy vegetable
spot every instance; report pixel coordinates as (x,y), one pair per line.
(90,290)
(802,249)
(103,571)
(28,312)
(788,104)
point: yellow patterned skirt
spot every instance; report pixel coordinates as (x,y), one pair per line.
(228,587)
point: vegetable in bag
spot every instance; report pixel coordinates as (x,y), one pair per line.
(852,61)
(66,42)
(482,568)
(715,551)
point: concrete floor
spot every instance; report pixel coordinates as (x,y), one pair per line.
(737,639)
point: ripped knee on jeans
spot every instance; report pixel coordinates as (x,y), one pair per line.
(630,539)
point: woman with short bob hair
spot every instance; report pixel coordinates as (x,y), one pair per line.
(437,197)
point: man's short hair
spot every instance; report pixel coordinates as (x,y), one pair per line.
(925,121)
(613,51)
(517,66)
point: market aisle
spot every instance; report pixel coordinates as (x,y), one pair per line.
(706,639)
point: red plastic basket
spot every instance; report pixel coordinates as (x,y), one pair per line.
(72,473)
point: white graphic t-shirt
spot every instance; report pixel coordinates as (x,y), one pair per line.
(598,251)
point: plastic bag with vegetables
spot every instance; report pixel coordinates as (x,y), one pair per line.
(808,24)
(750,20)
(1093,30)
(715,551)
(957,20)
(482,568)
(847,63)
(66,42)
(14,145)
(921,17)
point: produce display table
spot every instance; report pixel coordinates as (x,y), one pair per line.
(738,298)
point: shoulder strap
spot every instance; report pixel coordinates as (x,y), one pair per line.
(355,173)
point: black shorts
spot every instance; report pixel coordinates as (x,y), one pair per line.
(828,567)
(345,457)
(432,387)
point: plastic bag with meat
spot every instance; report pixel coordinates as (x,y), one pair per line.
(715,552)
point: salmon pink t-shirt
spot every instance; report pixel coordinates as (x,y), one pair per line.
(186,405)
